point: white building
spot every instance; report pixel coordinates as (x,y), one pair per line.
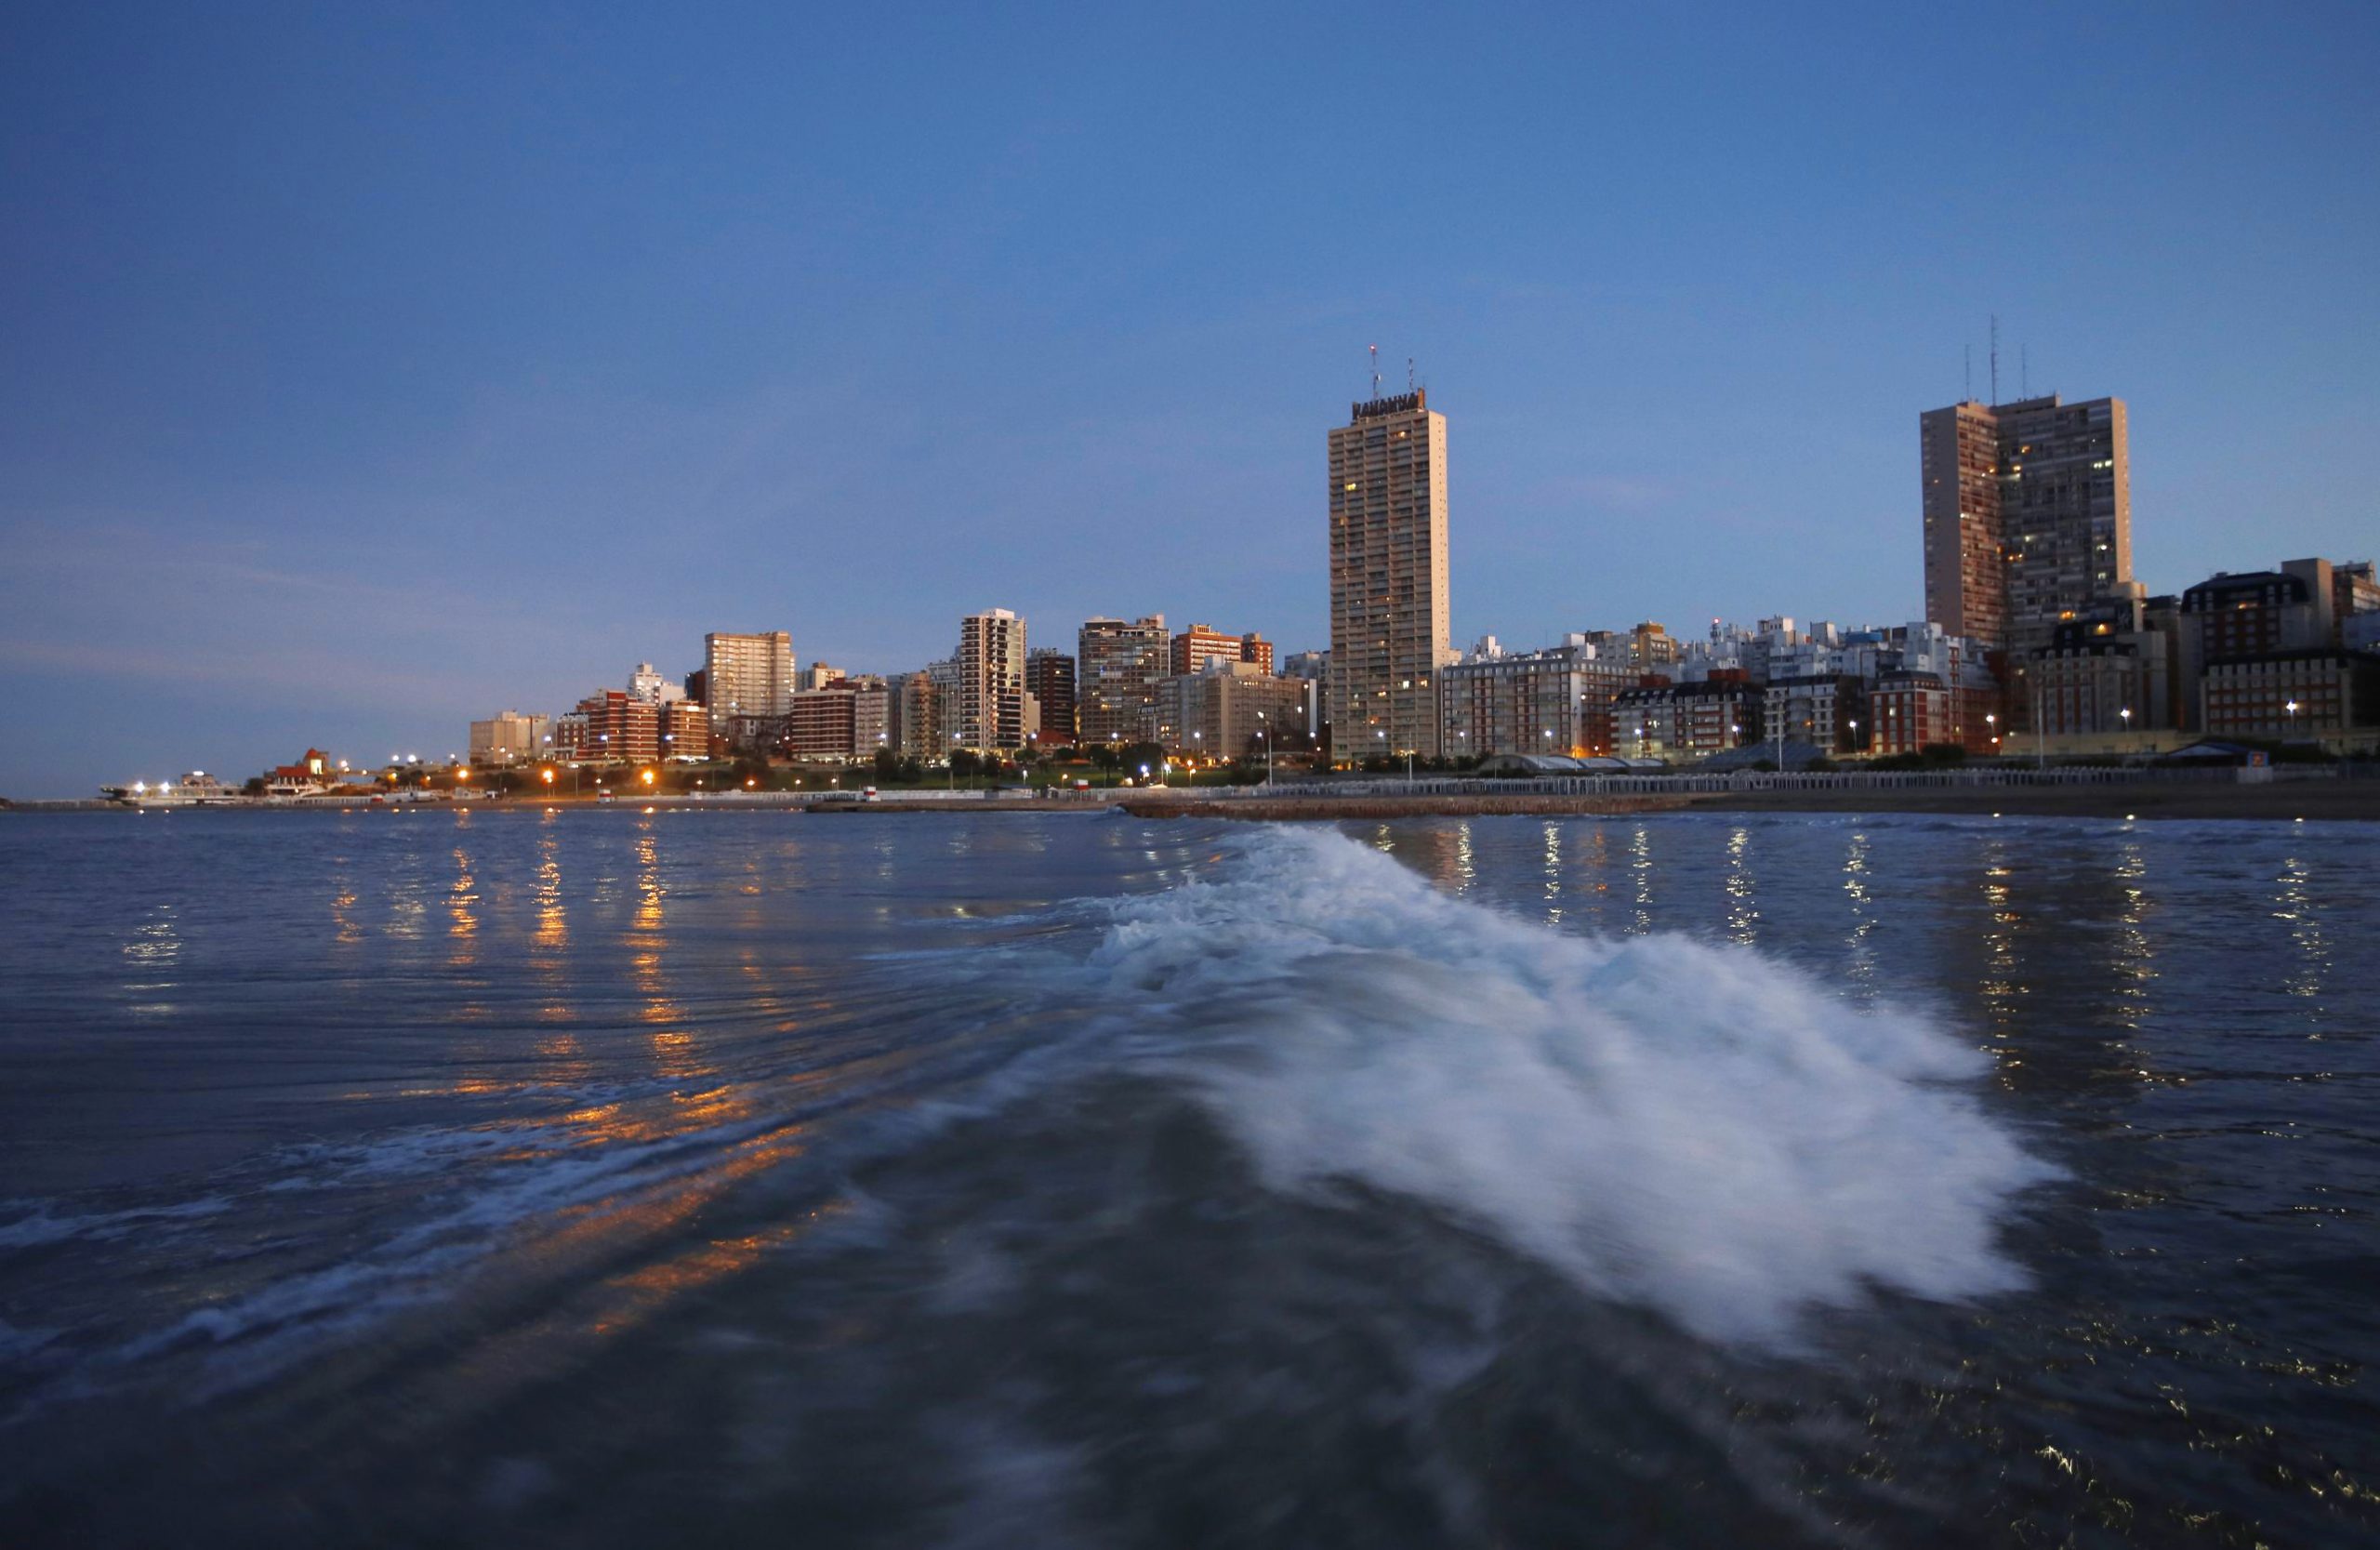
(511,737)
(651,687)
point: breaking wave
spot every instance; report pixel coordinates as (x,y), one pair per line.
(1693,1128)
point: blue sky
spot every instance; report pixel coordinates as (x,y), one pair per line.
(371,368)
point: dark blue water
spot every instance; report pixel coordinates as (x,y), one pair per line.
(616,1178)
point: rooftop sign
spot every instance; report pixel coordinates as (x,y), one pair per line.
(1400,404)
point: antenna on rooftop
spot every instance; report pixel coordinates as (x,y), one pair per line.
(1995,357)
(1967,395)
(1375,349)
(1409,374)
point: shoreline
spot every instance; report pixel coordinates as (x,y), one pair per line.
(2277,801)
(2339,801)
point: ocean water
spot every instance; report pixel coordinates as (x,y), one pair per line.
(625,1178)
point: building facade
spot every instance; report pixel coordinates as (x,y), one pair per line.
(1557,700)
(1966,569)
(1202,644)
(1118,665)
(1050,679)
(2315,692)
(2109,669)
(1233,709)
(1912,712)
(1388,579)
(1822,709)
(847,719)
(510,737)
(685,730)
(1689,721)
(991,681)
(746,676)
(611,726)
(652,686)
(2028,514)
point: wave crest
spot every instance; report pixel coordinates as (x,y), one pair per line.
(1692,1127)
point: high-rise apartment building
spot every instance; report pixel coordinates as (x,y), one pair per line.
(1118,665)
(1966,564)
(2028,514)
(991,681)
(1050,679)
(746,676)
(1388,577)
(1202,644)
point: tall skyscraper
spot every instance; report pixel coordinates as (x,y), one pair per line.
(1388,577)
(991,681)
(746,675)
(2028,511)
(1119,666)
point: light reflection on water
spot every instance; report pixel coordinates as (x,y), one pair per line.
(1743,915)
(607,1051)
(1862,967)
(2312,967)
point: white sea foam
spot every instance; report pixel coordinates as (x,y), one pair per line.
(40,1228)
(1695,1128)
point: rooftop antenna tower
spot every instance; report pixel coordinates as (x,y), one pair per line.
(1995,357)
(1409,374)
(1967,394)
(1375,349)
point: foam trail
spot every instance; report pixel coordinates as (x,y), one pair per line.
(1698,1129)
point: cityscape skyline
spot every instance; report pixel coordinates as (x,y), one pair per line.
(346,478)
(2061,606)
(2034,629)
